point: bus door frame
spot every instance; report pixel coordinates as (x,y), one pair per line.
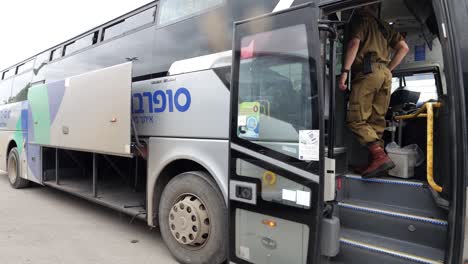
(245,194)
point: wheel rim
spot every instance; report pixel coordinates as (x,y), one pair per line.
(12,170)
(189,222)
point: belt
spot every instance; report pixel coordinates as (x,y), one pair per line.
(359,67)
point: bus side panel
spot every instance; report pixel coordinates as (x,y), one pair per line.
(193,105)
(211,154)
(13,127)
(186,117)
(34,163)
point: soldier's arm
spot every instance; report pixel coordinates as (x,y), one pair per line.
(401,50)
(351,52)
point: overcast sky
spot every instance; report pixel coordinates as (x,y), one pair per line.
(31,26)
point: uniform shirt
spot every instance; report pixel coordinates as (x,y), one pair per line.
(366,28)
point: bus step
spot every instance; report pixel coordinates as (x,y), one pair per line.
(409,225)
(359,247)
(389,191)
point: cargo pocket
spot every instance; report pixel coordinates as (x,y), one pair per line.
(354,113)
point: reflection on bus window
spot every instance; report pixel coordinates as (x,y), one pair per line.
(130,23)
(81,43)
(55,54)
(25,67)
(277,98)
(172,10)
(40,59)
(5,91)
(8,74)
(21,84)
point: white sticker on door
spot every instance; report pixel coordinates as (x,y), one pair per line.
(244,252)
(303,198)
(309,145)
(242,120)
(289,195)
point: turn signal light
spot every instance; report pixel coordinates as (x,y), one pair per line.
(269,223)
(269,178)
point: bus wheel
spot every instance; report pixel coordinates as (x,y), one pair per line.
(193,219)
(13,168)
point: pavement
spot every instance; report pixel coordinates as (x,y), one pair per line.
(39,225)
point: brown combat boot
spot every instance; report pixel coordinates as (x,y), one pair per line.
(359,169)
(380,162)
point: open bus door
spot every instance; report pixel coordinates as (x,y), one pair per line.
(276,197)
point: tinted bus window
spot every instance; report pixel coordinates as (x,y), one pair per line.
(172,10)
(81,43)
(25,67)
(137,45)
(41,58)
(55,54)
(8,74)
(5,91)
(130,23)
(20,87)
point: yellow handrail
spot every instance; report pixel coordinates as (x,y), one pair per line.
(429,109)
(419,113)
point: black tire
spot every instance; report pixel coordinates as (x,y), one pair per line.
(14,170)
(201,186)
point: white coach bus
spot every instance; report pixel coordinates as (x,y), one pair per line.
(220,122)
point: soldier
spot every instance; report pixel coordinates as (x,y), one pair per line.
(368,53)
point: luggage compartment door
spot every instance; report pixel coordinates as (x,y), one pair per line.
(88,112)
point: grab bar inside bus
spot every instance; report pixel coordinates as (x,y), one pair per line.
(427,111)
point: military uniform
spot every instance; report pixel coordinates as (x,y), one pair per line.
(370,94)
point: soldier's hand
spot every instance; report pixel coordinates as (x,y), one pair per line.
(342,83)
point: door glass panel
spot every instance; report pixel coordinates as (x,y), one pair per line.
(264,239)
(275,188)
(277,98)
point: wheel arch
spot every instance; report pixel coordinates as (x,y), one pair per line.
(11,144)
(170,170)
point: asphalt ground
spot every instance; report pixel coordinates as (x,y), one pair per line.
(39,225)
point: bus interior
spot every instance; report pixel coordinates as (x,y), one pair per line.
(403,214)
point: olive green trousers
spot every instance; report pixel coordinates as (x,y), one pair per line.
(368,104)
